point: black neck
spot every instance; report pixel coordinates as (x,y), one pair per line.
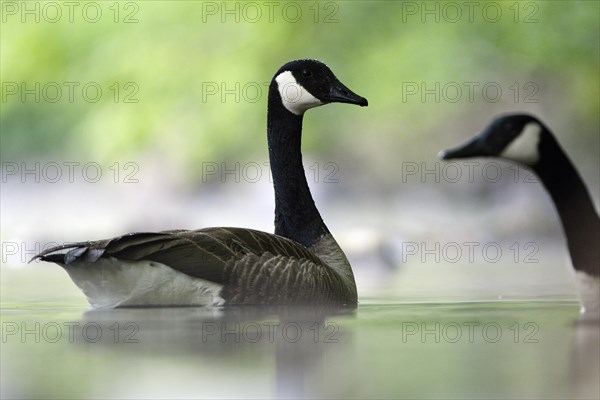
(296,216)
(573,203)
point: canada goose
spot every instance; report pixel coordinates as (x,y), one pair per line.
(526,140)
(300,264)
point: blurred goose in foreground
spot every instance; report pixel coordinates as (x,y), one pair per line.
(526,140)
(300,264)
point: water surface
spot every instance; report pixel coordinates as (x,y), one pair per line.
(382,349)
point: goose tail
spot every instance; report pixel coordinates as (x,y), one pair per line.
(82,250)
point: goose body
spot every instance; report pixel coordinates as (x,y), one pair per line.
(526,140)
(212,266)
(300,264)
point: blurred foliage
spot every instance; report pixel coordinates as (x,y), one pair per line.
(175,49)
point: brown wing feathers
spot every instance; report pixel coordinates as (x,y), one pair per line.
(245,256)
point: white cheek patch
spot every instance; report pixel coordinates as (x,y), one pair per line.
(293,96)
(524,148)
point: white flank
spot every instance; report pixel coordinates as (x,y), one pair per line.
(589,292)
(524,148)
(294,97)
(109,283)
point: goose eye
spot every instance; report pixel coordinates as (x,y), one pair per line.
(306,73)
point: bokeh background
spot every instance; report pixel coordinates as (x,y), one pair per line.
(167,102)
(151,115)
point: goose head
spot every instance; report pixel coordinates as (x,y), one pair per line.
(514,137)
(304,84)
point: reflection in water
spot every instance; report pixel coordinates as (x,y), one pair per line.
(299,337)
(585,357)
(379,350)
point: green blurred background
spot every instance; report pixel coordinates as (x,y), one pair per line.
(175,49)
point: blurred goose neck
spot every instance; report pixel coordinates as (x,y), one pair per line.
(573,204)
